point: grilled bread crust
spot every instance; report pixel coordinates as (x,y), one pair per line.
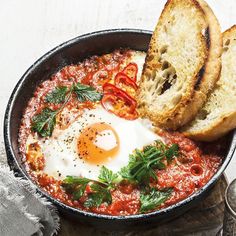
(182,65)
(218,115)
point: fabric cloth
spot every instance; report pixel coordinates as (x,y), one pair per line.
(23,212)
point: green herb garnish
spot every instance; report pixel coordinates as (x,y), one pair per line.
(75,186)
(57,96)
(99,195)
(86,93)
(153,199)
(101,189)
(107,177)
(171,152)
(142,164)
(141,167)
(44,122)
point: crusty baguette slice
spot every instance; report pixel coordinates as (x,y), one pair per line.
(218,115)
(182,64)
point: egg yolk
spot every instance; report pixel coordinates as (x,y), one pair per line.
(98,143)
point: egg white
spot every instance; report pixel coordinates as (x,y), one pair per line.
(60,151)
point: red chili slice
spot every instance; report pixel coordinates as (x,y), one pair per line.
(112,89)
(119,102)
(122,81)
(131,70)
(118,106)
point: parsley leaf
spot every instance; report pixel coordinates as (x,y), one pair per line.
(106,176)
(142,164)
(100,189)
(172,152)
(44,122)
(86,92)
(75,180)
(141,167)
(99,195)
(154,198)
(57,96)
(75,186)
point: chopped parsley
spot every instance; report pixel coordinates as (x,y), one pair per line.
(142,167)
(107,177)
(142,164)
(100,190)
(153,199)
(75,186)
(44,122)
(57,96)
(86,93)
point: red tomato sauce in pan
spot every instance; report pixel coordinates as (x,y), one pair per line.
(186,174)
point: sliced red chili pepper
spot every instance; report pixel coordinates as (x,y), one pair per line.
(112,89)
(123,81)
(131,70)
(118,105)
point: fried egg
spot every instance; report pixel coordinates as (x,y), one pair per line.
(95,139)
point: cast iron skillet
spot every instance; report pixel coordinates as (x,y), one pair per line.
(74,51)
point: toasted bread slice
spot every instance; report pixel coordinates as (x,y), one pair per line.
(182,65)
(218,115)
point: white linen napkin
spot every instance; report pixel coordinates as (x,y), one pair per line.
(23,212)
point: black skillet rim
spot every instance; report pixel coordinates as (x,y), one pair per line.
(13,161)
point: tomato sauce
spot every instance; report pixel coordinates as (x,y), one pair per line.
(185,174)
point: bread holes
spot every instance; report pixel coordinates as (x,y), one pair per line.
(225,49)
(165,86)
(163,49)
(150,57)
(165,65)
(227,42)
(169,76)
(196,170)
(226,45)
(202,115)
